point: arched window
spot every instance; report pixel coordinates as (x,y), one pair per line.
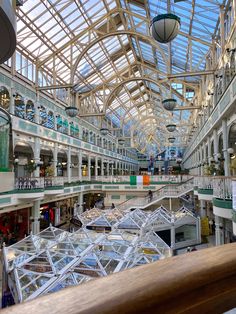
(51,120)
(4,98)
(72,129)
(19,106)
(43,116)
(30,111)
(59,123)
(65,127)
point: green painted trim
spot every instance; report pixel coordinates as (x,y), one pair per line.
(115,197)
(205,191)
(5,170)
(218,202)
(76,189)
(234,216)
(111,187)
(56,187)
(130,187)
(129,197)
(29,191)
(149,187)
(5,200)
(166,16)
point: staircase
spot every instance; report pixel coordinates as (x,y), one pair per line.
(168,191)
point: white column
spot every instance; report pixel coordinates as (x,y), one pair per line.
(69,164)
(35,225)
(36,155)
(112,169)
(215,143)
(89,167)
(217,230)
(96,167)
(209,149)
(12,99)
(225,147)
(80,165)
(80,203)
(202,208)
(172,237)
(55,153)
(102,166)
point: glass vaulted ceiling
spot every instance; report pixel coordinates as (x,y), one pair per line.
(53,34)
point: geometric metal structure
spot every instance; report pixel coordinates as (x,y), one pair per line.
(165,27)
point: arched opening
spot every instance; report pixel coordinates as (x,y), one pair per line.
(231,144)
(30,111)
(19,106)
(74,164)
(43,116)
(46,169)
(24,161)
(59,123)
(4,98)
(51,120)
(62,164)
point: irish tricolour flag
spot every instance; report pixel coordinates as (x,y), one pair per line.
(139,180)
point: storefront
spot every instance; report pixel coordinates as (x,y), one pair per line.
(57,213)
(14,226)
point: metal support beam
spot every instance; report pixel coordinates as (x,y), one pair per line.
(49,87)
(186,74)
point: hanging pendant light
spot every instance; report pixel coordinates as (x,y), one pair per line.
(165,27)
(169,104)
(171,139)
(121,141)
(71,111)
(104,131)
(171,127)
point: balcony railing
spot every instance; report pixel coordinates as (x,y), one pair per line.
(198,282)
(29,183)
(222,187)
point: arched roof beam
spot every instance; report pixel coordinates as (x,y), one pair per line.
(116,33)
(118,88)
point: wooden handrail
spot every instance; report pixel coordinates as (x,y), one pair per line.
(198,282)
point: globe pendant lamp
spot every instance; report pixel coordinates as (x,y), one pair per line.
(104,131)
(169,104)
(121,141)
(165,27)
(171,139)
(171,127)
(71,111)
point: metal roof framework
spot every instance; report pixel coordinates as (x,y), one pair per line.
(95,45)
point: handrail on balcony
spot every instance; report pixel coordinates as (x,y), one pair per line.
(198,282)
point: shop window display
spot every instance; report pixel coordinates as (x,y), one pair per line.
(14,226)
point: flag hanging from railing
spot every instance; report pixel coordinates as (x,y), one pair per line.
(140,180)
